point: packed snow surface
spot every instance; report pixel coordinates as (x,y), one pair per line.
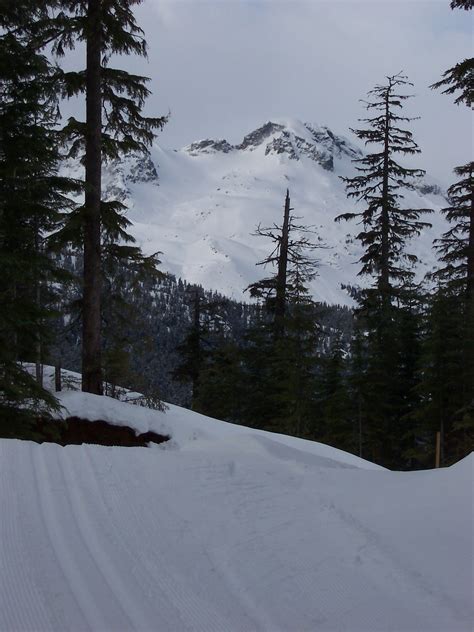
(227,528)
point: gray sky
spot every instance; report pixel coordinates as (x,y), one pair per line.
(222,67)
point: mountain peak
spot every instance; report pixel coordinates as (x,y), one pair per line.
(259,135)
(202,216)
(288,138)
(209,146)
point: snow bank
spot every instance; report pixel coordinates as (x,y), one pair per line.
(234,529)
(190,430)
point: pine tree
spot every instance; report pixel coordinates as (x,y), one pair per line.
(257,405)
(220,391)
(294,266)
(32,197)
(456,249)
(335,424)
(357,388)
(459,80)
(196,347)
(123,278)
(191,349)
(409,334)
(456,246)
(281,355)
(441,388)
(386,228)
(114,125)
(293,362)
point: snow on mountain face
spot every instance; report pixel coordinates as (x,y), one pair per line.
(295,140)
(202,208)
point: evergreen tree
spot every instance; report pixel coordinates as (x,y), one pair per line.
(221,393)
(334,416)
(123,277)
(195,349)
(459,80)
(456,249)
(386,228)
(293,362)
(357,388)
(32,197)
(281,355)
(441,387)
(114,125)
(294,266)
(191,349)
(456,246)
(409,334)
(379,185)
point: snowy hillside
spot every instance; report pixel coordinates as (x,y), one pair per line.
(199,205)
(227,529)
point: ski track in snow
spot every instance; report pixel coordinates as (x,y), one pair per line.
(271,539)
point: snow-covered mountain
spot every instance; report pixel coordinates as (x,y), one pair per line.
(200,205)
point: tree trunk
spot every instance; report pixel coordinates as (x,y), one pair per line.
(91,334)
(470,252)
(280,301)
(469,324)
(38,346)
(384,280)
(196,362)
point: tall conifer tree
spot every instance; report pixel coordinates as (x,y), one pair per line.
(456,248)
(457,245)
(386,227)
(114,125)
(287,336)
(294,266)
(379,186)
(32,198)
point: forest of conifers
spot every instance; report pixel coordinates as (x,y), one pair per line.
(77,292)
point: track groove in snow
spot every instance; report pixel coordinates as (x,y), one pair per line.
(232,530)
(15,575)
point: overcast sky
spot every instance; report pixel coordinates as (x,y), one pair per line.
(222,67)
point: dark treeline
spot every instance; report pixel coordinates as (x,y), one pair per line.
(149,325)
(380,381)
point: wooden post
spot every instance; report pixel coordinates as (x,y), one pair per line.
(57,378)
(438,449)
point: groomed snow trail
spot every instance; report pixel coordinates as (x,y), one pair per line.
(240,531)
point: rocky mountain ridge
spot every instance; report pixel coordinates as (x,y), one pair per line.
(316,143)
(200,205)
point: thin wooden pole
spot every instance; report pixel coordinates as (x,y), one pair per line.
(438,449)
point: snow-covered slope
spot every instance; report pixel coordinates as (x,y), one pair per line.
(227,529)
(199,205)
